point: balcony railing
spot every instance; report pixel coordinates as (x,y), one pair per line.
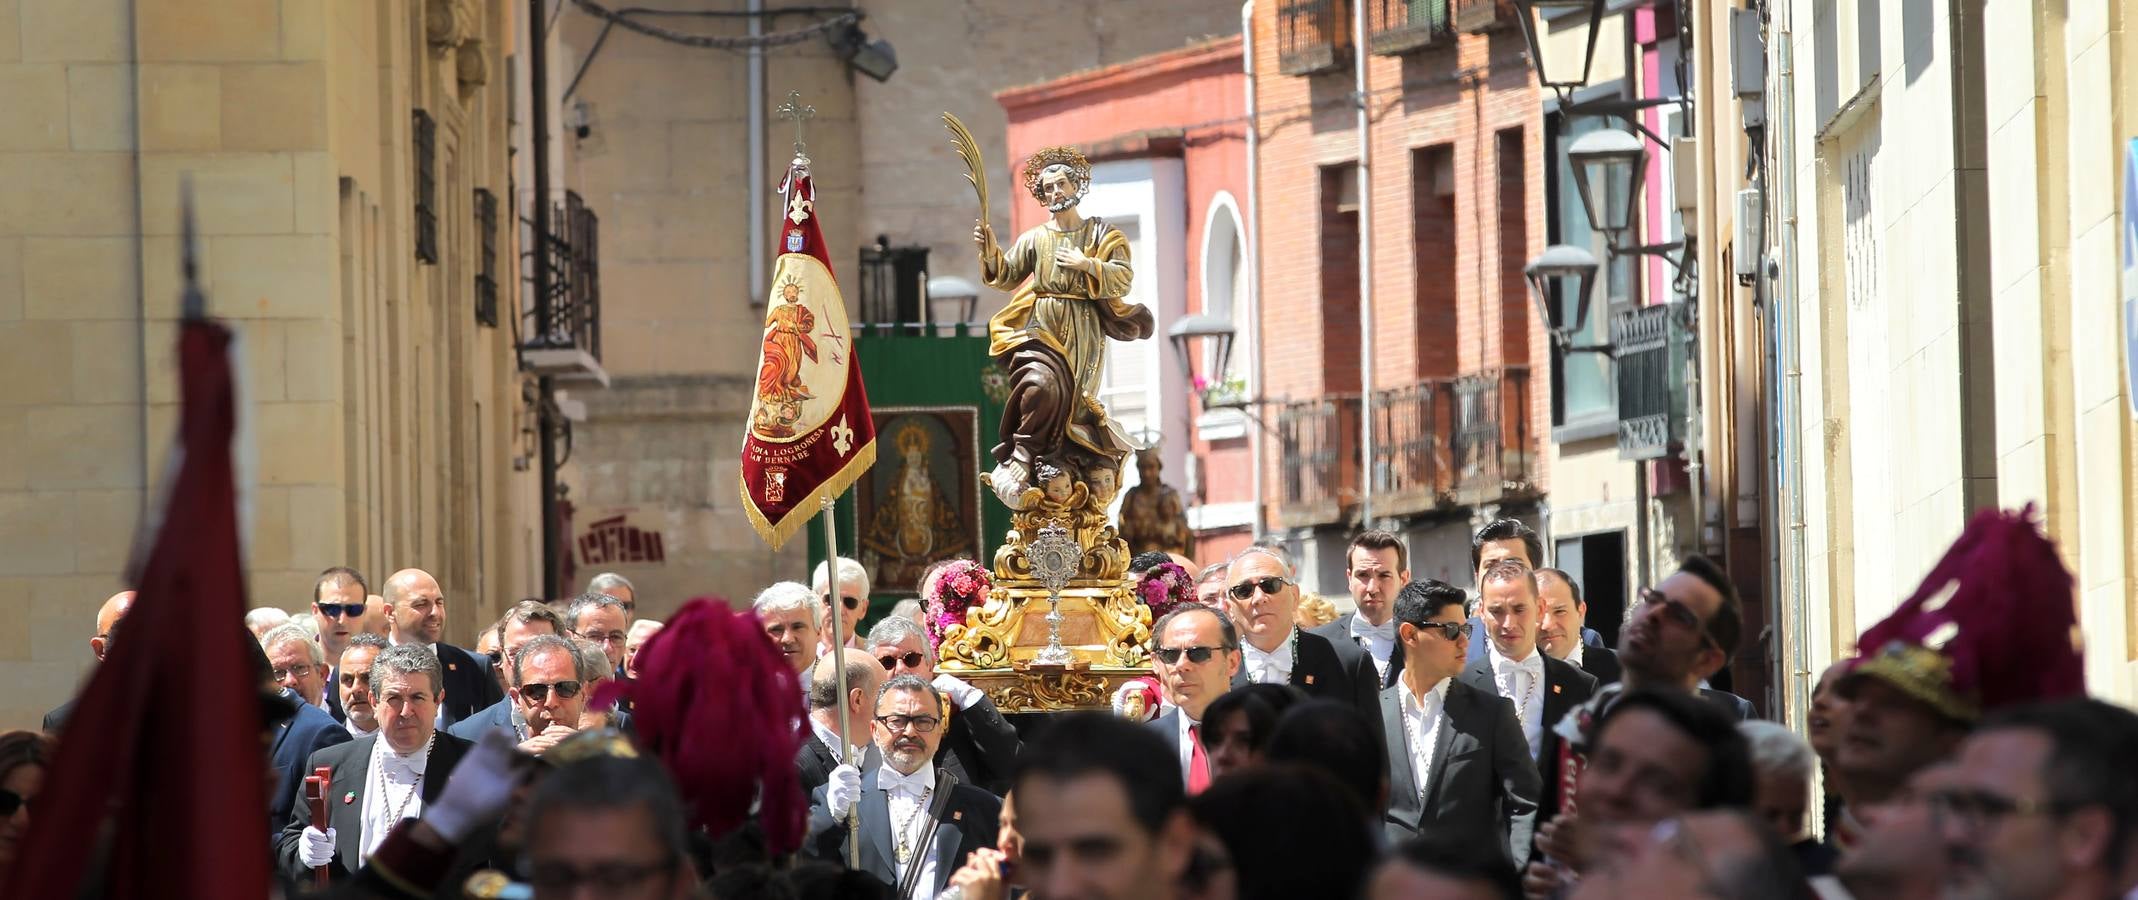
(1313,36)
(562,331)
(1401,26)
(1482,15)
(1413,471)
(1494,448)
(1317,460)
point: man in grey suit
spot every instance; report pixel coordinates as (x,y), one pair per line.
(1457,758)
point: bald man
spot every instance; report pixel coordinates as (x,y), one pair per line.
(415,609)
(108,616)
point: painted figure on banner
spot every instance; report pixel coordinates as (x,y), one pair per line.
(1152,515)
(1068,277)
(780,390)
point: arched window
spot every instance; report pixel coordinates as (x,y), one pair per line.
(1225,281)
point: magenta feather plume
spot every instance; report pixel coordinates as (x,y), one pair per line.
(718,706)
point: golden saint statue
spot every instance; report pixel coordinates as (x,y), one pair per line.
(1152,515)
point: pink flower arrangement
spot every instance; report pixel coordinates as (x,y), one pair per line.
(1165,586)
(956,587)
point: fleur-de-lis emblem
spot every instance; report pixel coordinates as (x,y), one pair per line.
(842,437)
(798,209)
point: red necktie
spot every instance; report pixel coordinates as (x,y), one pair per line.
(1198,762)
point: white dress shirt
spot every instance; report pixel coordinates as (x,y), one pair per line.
(1274,667)
(1187,744)
(393,784)
(908,802)
(1574,658)
(1523,682)
(1421,727)
(356,732)
(1378,641)
(825,736)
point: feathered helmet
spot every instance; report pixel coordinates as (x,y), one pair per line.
(1993,625)
(1079,168)
(721,711)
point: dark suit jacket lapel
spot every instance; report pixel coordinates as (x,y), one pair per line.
(445,754)
(346,791)
(876,820)
(1311,666)
(1404,791)
(1443,738)
(1395,667)
(945,838)
(282,734)
(1479,676)
(1558,682)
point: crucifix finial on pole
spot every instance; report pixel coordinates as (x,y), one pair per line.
(794,110)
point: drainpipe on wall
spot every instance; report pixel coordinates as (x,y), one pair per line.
(755,79)
(1785,311)
(1360,59)
(1253,319)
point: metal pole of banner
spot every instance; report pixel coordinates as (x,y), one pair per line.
(838,666)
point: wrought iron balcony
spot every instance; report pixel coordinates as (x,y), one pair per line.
(1317,460)
(1494,449)
(1413,470)
(1401,26)
(1313,36)
(1473,16)
(561,333)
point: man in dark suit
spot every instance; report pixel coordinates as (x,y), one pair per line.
(1178,638)
(526,620)
(108,616)
(294,742)
(1563,633)
(822,753)
(979,745)
(1263,601)
(379,780)
(1541,688)
(916,823)
(1457,756)
(1375,568)
(416,607)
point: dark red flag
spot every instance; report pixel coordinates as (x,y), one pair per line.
(164,743)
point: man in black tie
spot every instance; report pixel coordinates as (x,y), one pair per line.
(416,607)
(916,823)
(1457,756)
(1566,615)
(1541,688)
(1264,603)
(1195,653)
(1376,566)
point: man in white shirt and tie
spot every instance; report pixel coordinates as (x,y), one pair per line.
(1376,566)
(915,824)
(1458,759)
(1541,688)
(1195,653)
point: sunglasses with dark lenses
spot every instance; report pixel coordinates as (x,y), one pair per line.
(852,603)
(1677,611)
(1197,655)
(539,692)
(1269,585)
(1453,631)
(912,660)
(10,802)
(341,610)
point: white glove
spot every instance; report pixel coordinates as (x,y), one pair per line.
(842,791)
(478,790)
(317,847)
(961,693)
(1132,689)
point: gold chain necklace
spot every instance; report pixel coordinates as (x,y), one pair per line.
(904,850)
(414,788)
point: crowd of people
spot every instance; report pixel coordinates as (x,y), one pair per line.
(1437,741)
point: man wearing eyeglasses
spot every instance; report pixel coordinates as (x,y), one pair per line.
(299,671)
(602,619)
(1264,603)
(1195,651)
(417,607)
(1458,758)
(547,693)
(338,606)
(853,596)
(979,745)
(916,823)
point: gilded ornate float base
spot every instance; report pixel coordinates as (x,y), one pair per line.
(1028,689)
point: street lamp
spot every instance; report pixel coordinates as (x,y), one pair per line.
(1570,269)
(1216,329)
(1608,164)
(951,300)
(1558,79)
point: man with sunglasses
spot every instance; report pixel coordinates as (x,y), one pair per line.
(1458,757)
(525,621)
(547,692)
(979,745)
(1264,602)
(852,594)
(1195,652)
(917,824)
(338,606)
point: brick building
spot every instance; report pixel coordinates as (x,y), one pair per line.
(1166,135)
(1459,386)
